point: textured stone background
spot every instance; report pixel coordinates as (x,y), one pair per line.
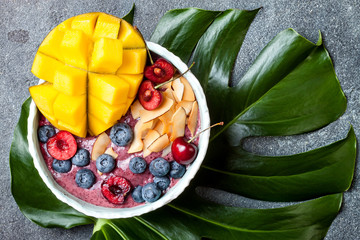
(24,23)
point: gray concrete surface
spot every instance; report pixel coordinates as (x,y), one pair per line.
(24,23)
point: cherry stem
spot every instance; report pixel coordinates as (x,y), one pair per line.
(216,124)
(146,47)
(173,79)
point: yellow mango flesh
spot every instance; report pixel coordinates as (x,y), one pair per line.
(107,26)
(129,37)
(109,88)
(44,96)
(70,81)
(134,63)
(107,113)
(85,23)
(75,48)
(45,67)
(70,109)
(93,72)
(134,81)
(107,55)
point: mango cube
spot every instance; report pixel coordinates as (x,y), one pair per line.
(79,130)
(107,113)
(51,44)
(96,126)
(70,109)
(134,61)
(65,25)
(109,88)
(91,82)
(85,22)
(70,81)
(75,48)
(45,67)
(129,37)
(107,55)
(44,96)
(106,26)
(134,81)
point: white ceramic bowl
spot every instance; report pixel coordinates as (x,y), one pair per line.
(109,213)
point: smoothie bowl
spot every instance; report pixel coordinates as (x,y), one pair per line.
(132,185)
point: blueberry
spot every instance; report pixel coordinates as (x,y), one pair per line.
(137,194)
(85,178)
(61,166)
(137,165)
(105,163)
(121,134)
(81,157)
(150,192)
(159,167)
(45,132)
(176,170)
(162,182)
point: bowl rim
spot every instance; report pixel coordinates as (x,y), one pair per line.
(112,213)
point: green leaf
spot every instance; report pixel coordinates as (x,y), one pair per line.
(179,30)
(302,176)
(270,100)
(265,102)
(193,218)
(31,194)
(129,17)
(291,88)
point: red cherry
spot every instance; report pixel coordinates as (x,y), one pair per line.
(115,189)
(183,151)
(160,71)
(62,146)
(149,97)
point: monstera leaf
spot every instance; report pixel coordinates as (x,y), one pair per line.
(291,88)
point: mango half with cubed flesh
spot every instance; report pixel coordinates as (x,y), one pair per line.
(93,65)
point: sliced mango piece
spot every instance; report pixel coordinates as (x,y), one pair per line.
(129,37)
(134,63)
(68,49)
(109,88)
(96,126)
(107,55)
(85,22)
(107,113)
(45,67)
(106,26)
(79,130)
(70,109)
(44,96)
(178,124)
(51,44)
(192,121)
(134,81)
(75,48)
(70,81)
(65,25)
